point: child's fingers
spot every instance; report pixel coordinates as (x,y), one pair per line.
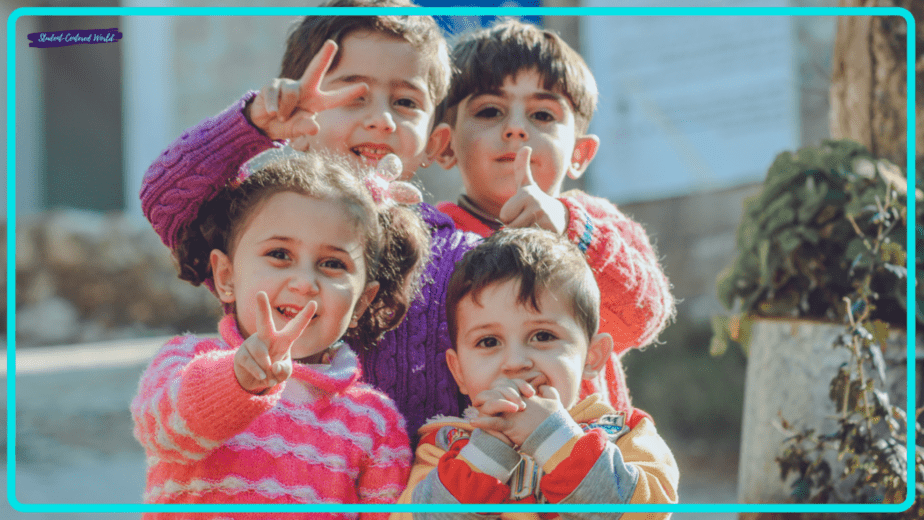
(301,143)
(484,422)
(287,98)
(548,392)
(526,390)
(495,407)
(521,169)
(268,96)
(342,96)
(266,329)
(314,73)
(292,330)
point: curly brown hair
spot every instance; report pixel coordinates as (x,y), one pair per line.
(395,238)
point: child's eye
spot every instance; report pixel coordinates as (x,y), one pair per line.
(333,263)
(544,336)
(407,103)
(278,254)
(544,116)
(489,342)
(488,113)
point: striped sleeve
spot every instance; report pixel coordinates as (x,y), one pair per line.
(385,473)
(189,401)
(589,468)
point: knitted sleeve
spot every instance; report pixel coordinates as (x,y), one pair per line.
(636,297)
(453,468)
(189,401)
(596,467)
(384,475)
(195,166)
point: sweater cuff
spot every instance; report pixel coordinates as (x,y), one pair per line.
(212,398)
(580,226)
(490,455)
(556,432)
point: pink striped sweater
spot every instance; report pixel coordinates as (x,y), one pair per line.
(320,437)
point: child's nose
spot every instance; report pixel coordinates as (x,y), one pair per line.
(515,129)
(517,359)
(303,282)
(379,117)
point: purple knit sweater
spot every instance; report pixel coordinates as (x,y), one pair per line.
(409,363)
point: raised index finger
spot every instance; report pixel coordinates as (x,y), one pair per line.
(524,174)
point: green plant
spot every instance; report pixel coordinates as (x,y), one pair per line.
(825,240)
(801,240)
(865,458)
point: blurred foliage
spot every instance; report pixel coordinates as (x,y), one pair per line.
(802,243)
(865,459)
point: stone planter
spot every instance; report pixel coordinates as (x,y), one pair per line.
(790,367)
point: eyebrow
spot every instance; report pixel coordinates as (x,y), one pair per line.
(285,239)
(543,95)
(360,78)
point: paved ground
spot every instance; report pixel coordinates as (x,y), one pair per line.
(74,442)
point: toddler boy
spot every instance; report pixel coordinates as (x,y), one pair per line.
(523,314)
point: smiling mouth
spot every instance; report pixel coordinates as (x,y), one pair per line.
(371,153)
(288,311)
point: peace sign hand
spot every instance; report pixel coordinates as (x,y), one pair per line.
(265,358)
(530,205)
(285,108)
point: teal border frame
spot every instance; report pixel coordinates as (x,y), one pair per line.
(446,11)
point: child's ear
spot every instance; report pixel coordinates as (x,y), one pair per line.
(452,361)
(585,148)
(598,351)
(439,146)
(222,273)
(372,288)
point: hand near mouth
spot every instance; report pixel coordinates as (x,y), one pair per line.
(530,205)
(500,419)
(285,108)
(265,358)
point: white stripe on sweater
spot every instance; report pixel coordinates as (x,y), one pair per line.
(232,485)
(278,447)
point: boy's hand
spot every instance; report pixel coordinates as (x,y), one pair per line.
(530,205)
(285,108)
(265,358)
(517,426)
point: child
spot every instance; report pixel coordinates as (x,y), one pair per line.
(523,312)
(393,60)
(272,411)
(514,122)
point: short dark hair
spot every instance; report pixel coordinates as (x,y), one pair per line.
(540,261)
(395,238)
(484,58)
(422,32)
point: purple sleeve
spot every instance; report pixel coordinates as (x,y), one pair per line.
(195,166)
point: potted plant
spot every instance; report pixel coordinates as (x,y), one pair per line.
(821,265)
